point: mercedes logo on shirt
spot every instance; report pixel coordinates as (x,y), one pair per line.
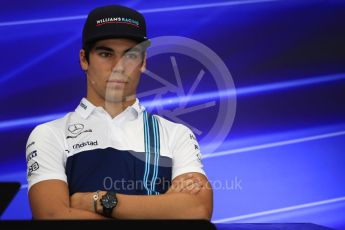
(76,128)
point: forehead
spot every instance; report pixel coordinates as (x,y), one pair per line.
(118,44)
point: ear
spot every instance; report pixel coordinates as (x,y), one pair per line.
(143,65)
(83,62)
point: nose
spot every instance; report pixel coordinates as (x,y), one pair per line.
(118,64)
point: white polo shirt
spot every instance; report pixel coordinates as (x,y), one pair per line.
(91,151)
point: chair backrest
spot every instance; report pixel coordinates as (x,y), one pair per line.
(7,192)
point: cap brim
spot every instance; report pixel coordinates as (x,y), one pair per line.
(140,40)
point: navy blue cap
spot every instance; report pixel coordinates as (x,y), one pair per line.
(114,21)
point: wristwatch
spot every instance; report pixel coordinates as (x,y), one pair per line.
(109,202)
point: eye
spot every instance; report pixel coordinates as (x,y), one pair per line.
(105,54)
(132,55)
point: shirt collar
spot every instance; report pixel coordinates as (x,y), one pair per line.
(85,109)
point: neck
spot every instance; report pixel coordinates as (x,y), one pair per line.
(113,108)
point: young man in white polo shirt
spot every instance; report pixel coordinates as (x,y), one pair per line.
(110,158)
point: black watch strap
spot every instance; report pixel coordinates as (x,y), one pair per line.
(107,211)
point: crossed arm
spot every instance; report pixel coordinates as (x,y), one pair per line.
(189,197)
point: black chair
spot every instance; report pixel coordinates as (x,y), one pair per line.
(7,192)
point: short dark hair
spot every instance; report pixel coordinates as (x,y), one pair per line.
(87,49)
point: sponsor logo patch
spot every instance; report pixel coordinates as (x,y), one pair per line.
(86,143)
(117,20)
(31,155)
(29,145)
(33,167)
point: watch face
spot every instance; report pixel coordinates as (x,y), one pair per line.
(109,201)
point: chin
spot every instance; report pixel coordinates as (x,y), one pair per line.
(116,96)
(115,99)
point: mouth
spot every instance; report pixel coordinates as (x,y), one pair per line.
(116,83)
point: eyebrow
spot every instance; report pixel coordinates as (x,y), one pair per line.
(134,49)
(104,48)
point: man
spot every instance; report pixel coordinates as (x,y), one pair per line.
(110,158)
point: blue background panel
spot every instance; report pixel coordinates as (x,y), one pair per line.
(272,143)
